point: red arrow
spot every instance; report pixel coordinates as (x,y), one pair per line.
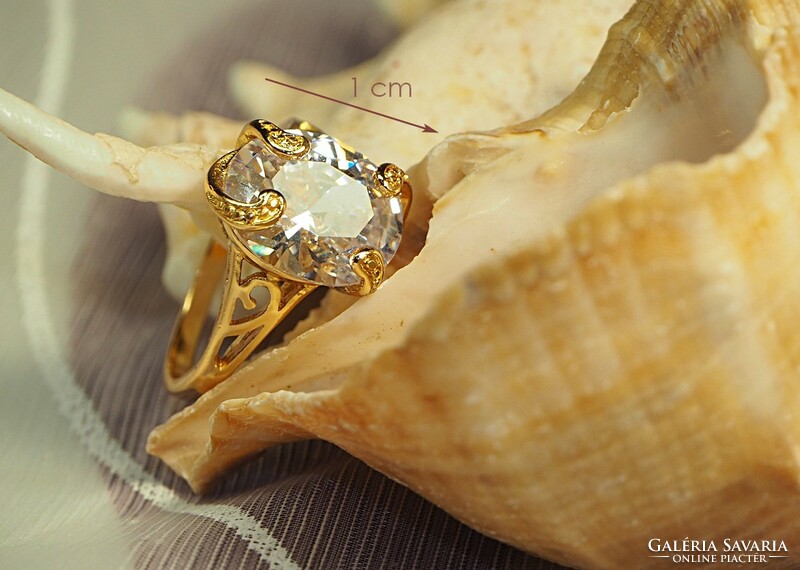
(425,128)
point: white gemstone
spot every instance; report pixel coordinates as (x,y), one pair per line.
(322,200)
(331,211)
(250,172)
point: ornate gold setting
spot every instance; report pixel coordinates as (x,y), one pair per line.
(242,322)
(286,145)
(263,213)
(390,178)
(368,264)
(234,336)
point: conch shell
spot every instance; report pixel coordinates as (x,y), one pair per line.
(597,345)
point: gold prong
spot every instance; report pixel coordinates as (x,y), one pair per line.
(260,214)
(280,142)
(368,264)
(257,129)
(390,179)
(216,174)
(288,145)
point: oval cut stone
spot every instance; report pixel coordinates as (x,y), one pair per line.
(333,209)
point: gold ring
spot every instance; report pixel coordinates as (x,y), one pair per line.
(300,209)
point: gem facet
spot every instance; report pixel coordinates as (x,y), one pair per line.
(322,200)
(334,208)
(250,172)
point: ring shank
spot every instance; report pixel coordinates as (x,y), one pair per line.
(194,312)
(219,358)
